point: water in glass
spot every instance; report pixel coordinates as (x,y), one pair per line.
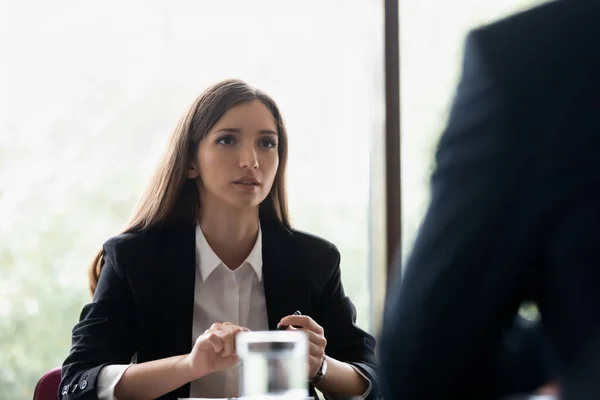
(273,365)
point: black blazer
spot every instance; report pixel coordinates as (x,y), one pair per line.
(145,297)
(514,215)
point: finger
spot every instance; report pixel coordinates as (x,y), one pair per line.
(230,342)
(225,326)
(282,327)
(319,340)
(214,327)
(287,328)
(237,329)
(230,339)
(217,342)
(228,346)
(232,360)
(228,326)
(299,320)
(203,344)
(315,350)
(210,341)
(304,321)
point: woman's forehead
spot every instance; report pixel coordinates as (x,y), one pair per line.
(253,115)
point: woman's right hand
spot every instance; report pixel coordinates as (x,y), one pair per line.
(214,350)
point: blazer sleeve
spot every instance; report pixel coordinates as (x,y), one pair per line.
(345,340)
(104,334)
(526,358)
(472,261)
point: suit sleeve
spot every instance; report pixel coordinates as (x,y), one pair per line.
(345,340)
(104,334)
(526,359)
(470,264)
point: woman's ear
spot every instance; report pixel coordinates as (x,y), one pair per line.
(193,172)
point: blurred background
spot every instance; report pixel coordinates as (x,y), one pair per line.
(91,90)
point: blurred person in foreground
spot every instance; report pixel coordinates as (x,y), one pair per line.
(514,215)
(210,253)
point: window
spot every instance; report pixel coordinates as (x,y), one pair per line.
(92,91)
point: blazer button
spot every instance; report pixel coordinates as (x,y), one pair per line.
(83,384)
(65,390)
(74,388)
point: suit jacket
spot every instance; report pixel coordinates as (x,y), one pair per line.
(145,297)
(514,214)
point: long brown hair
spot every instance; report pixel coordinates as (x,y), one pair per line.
(171,197)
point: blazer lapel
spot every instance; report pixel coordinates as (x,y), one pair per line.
(286,287)
(176,294)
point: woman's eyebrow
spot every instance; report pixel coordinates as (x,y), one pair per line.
(267,132)
(229,130)
(238,130)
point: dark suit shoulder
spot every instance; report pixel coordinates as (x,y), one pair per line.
(309,241)
(539,62)
(554,35)
(546,21)
(133,251)
(320,256)
(131,241)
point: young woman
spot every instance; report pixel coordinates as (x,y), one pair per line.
(210,253)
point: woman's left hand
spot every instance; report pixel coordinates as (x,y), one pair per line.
(316,339)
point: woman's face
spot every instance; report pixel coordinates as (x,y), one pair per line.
(237,161)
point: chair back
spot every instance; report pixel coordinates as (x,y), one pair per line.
(47,386)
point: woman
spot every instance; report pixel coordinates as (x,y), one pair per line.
(210,253)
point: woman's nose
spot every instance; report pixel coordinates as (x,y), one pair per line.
(248,158)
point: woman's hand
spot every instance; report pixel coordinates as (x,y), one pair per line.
(214,350)
(549,389)
(316,339)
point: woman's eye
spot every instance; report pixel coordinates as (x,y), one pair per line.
(268,143)
(225,140)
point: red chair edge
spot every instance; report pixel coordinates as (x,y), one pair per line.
(48,385)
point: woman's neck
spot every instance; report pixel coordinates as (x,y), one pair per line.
(230,233)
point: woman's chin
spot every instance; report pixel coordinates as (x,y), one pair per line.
(246,203)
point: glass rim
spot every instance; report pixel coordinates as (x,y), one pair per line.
(272,336)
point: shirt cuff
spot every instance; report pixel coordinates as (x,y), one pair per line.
(108,378)
(366,393)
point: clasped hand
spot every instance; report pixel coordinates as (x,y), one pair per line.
(316,339)
(214,350)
